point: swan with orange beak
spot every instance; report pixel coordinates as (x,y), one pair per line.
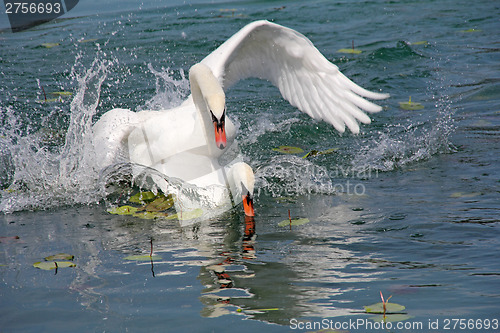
(186,142)
(241,183)
(210,101)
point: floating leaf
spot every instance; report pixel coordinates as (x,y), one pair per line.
(61,93)
(410,105)
(187,215)
(148,215)
(313,153)
(143,257)
(350,51)
(142,197)
(60,256)
(465,194)
(422,42)
(48,265)
(471,30)
(391,318)
(160,203)
(123,210)
(288,150)
(286,223)
(379,308)
(50,45)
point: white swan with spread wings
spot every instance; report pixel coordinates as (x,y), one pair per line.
(186,142)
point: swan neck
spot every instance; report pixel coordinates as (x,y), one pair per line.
(204,87)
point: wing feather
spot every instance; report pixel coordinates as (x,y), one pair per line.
(332,109)
(302,74)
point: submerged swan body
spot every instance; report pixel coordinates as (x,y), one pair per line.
(187,142)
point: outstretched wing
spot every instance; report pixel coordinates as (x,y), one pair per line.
(293,64)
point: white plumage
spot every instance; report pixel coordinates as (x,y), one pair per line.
(186,142)
(292,63)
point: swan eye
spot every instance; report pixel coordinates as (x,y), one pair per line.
(222,118)
(214,118)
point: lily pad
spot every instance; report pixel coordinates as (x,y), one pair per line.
(143,257)
(286,223)
(61,93)
(389,307)
(410,105)
(313,153)
(187,215)
(60,256)
(465,194)
(350,51)
(288,150)
(124,210)
(160,203)
(142,197)
(50,45)
(48,265)
(471,30)
(422,42)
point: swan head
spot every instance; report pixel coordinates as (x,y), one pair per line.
(216,104)
(208,95)
(248,202)
(243,182)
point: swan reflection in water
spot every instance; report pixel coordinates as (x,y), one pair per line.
(227,263)
(308,271)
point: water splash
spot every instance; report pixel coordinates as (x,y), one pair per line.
(401,145)
(42,176)
(291,176)
(426,133)
(170,91)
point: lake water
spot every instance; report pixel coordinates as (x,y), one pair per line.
(409,207)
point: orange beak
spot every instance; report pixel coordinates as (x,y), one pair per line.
(220,130)
(220,135)
(248,204)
